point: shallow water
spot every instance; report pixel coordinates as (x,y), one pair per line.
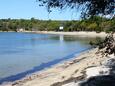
(20,52)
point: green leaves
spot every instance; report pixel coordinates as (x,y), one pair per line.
(88,7)
(91,24)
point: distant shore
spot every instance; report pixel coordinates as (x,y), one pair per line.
(80,33)
(63,72)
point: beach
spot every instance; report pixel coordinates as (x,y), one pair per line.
(63,72)
(73,70)
(77,33)
(57,43)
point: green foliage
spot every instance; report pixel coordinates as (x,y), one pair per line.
(94,23)
(88,7)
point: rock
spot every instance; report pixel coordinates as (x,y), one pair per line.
(97,71)
(109,63)
(111,56)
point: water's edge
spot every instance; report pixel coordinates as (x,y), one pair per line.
(40,67)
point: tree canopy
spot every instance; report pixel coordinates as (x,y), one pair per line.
(33,24)
(88,7)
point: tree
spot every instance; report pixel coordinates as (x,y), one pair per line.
(89,24)
(88,7)
(92,27)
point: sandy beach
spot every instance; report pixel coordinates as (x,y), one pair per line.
(63,72)
(80,33)
(68,71)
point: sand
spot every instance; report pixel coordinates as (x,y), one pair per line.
(67,71)
(63,72)
(80,33)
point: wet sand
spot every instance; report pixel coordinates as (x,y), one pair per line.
(62,72)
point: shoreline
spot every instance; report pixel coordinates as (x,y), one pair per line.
(62,71)
(79,34)
(41,67)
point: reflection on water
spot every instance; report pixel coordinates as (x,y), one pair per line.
(20,52)
(67,38)
(61,38)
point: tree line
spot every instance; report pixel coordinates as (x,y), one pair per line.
(94,23)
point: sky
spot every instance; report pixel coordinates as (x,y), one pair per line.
(26,9)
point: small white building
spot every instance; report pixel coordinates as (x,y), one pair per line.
(61,28)
(20,29)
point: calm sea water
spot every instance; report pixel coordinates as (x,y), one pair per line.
(20,52)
